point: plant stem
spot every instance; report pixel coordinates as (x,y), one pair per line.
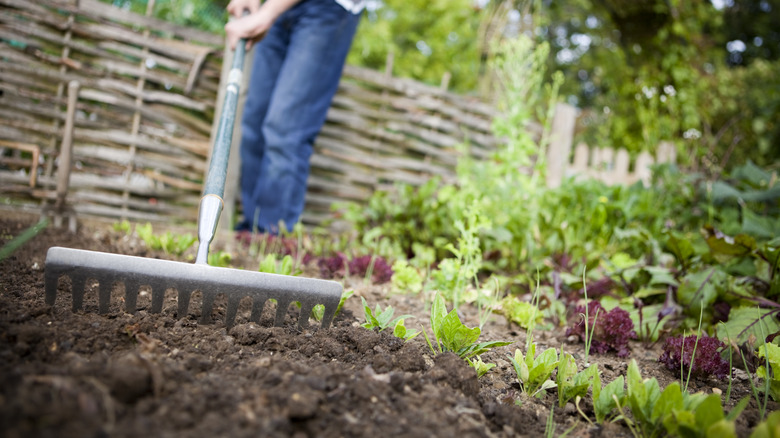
(696,344)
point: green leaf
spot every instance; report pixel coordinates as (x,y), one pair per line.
(700,289)
(743,323)
(671,399)
(438,313)
(603,402)
(739,245)
(521,368)
(681,248)
(709,412)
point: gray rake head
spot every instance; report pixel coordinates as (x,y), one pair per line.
(185,278)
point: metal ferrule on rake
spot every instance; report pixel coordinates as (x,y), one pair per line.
(161,275)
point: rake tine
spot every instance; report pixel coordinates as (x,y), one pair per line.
(257,309)
(184,303)
(207,307)
(104,295)
(327,318)
(131,295)
(232,310)
(306,309)
(77,284)
(158,295)
(281,312)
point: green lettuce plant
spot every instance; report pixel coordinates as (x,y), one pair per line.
(383,319)
(170,243)
(535,372)
(770,371)
(481,367)
(572,384)
(607,398)
(675,411)
(451,335)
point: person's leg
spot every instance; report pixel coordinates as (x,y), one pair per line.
(321,34)
(268,58)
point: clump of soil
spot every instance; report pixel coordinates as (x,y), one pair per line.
(65,373)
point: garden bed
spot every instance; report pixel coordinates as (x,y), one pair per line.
(85,374)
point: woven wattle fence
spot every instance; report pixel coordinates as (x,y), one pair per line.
(140,117)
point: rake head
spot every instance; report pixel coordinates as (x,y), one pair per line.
(185,278)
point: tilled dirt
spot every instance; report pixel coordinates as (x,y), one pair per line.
(84,374)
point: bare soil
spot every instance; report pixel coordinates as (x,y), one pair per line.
(83,374)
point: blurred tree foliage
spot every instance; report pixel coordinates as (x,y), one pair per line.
(427,38)
(651,70)
(209,15)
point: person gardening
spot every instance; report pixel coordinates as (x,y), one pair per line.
(300,50)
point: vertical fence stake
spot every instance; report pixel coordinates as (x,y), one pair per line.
(560,143)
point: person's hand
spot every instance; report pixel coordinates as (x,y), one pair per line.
(252,27)
(236,8)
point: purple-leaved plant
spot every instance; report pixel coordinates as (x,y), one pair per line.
(381,272)
(707,361)
(332,267)
(611,332)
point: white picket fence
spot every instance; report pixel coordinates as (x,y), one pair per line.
(602,163)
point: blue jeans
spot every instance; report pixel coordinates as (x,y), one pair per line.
(296,72)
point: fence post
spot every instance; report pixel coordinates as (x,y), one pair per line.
(642,171)
(560,143)
(666,152)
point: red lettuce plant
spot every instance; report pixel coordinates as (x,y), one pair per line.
(707,361)
(381,272)
(611,330)
(333,266)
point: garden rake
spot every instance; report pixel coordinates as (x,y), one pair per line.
(161,275)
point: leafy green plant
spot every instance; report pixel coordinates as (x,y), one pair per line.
(220,258)
(535,372)
(607,398)
(522,313)
(482,368)
(122,227)
(406,278)
(570,383)
(770,371)
(675,411)
(169,242)
(383,319)
(451,335)
(319,310)
(769,428)
(269,264)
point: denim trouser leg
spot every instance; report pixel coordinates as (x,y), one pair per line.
(295,74)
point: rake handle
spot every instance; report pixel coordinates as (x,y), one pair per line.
(214,188)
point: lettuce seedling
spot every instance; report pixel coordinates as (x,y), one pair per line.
(406,278)
(771,369)
(611,330)
(481,367)
(535,372)
(271,265)
(572,384)
(383,319)
(679,354)
(449,334)
(318,312)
